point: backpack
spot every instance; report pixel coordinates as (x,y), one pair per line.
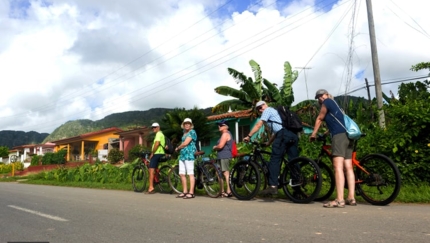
(233,148)
(168,148)
(290,119)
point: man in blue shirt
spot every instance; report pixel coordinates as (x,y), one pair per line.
(283,141)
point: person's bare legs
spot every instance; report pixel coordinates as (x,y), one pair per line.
(350,178)
(184,184)
(192,183)
(227,176)
(151,179)
(339,176)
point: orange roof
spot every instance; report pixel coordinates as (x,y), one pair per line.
(234,114)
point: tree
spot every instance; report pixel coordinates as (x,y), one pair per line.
(4,151)
(421,66)
(251,91)
(171,124)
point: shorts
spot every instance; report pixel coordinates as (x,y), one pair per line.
(224,164)
(342,146)
(153,163)
(186,167)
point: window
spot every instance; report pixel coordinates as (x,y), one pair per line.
(205,143)
(244,131)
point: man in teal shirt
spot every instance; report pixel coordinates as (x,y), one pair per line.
(157,152)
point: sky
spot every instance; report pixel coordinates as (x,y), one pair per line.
(63,60)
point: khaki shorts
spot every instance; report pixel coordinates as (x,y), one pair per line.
(225,164)
(341,146)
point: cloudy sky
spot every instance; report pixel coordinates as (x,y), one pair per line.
(64,60)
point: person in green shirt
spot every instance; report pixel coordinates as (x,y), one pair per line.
(157,152)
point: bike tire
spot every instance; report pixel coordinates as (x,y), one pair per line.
(174,179)
(245,180)
(139,178)
(306,180)
(328,182)
(382,185)
(163,179)
(212,182)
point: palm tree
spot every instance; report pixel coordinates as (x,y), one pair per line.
(251,91)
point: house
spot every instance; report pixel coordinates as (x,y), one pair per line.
(129,139)
(23,153)
(81,146)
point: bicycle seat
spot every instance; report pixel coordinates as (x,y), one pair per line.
(199,153)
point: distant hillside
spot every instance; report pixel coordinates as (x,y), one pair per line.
(12,139)
(123,120)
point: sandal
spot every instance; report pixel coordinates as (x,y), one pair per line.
(225,194)
(335,204)
(150,192)
(351,202)
(189,196)
(181,195)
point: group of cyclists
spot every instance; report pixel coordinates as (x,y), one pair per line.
(282,141)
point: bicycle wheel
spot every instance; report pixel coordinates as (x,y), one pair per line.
(379,180)
(211,179)
(328,182)
(301,180)
(163,178)
(174,179)
(245,180)
(139,178)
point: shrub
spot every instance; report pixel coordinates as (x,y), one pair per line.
(135,152)
(36,159)
(115,155)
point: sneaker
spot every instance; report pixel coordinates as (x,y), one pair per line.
(273,190)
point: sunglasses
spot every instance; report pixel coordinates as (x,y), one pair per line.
(154,127)
(221,125)
(259,107)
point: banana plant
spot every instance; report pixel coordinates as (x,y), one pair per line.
(251,91)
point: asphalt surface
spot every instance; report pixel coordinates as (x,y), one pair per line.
(32,213)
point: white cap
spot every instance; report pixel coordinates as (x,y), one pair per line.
(189,121)
(260,103)
(155,124)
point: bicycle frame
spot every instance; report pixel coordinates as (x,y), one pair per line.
(326,150)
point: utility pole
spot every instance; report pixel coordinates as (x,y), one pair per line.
(368,96)
(375,62)
(306,82)
(307,91)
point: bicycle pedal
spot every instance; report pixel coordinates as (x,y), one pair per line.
(294,184)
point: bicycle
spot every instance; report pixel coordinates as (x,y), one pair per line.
(300,178)
(140,175)
(377,178)
(207,175)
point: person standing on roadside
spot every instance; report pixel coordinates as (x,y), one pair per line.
(342,148)
(282,139)
(157,152)
(224,154)
(186,158)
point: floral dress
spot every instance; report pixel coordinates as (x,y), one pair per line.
(187,153)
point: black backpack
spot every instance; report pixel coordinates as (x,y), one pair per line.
(290,120)
(168,148)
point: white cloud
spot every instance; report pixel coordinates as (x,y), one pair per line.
(83,59)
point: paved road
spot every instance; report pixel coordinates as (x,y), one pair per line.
(62,214)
